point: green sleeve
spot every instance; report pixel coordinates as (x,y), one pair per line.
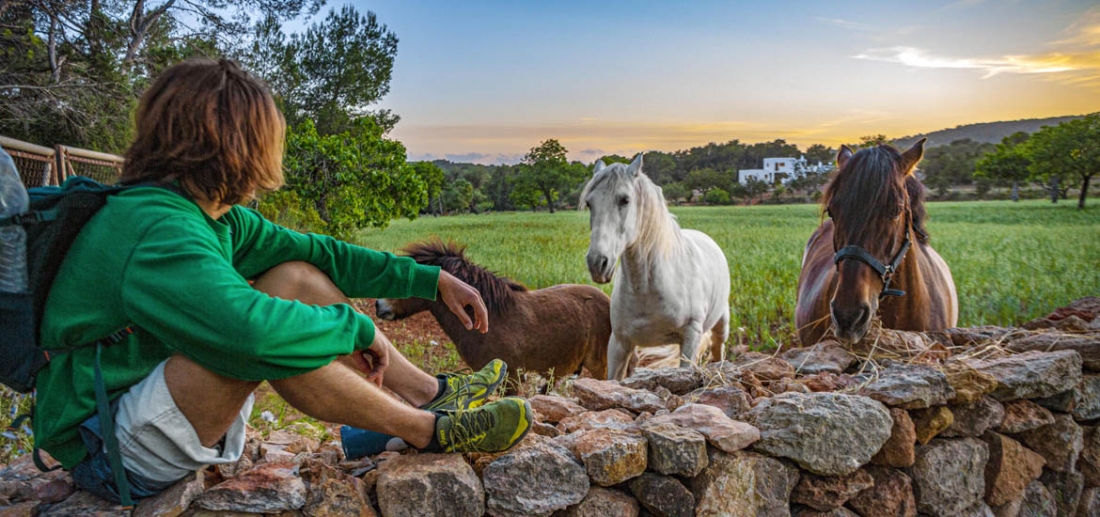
(259,245)
(179,285)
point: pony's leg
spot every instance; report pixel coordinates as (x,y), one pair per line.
(689,344)
(719,333)
(618,358)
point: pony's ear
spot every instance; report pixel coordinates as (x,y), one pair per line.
(843,155)
(599,165)
(636,165)
(911,157)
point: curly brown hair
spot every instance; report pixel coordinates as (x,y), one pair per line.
(212,126)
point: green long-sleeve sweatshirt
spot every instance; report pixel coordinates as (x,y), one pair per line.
(154,259)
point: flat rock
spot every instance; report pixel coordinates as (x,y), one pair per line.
(1063,402)
(1089,460)
(972,336)
(1032,374)
(24,509)
(1059,443)
(721,431)
(606,419)
(978,510)
(1085,344)
(733,401)
(611,456)
(929,423)
(83,504)
(1086,397)
(663,496)
(1011,468)
(969,384)
(910,386)
(429,484)
(827,356)
(174,500)
(824,493)
(828,434)
(766,368)
(898,449)
(602,502)
(555,409)
(1038,502)
(1087,309)
(599,395)
(267,488)
(975,419)
(835,512)
(949,475)
(1065,488)
(743,483)
(676,380)
(1024,415)
(675,450)
(1089,505)
(890,496)
(534,480)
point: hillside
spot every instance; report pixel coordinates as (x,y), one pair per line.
(986,132)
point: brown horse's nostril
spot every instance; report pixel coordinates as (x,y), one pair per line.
(851,318)
(383,310)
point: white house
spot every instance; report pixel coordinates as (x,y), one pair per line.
(780,170)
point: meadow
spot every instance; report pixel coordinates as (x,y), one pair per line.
(1011,261)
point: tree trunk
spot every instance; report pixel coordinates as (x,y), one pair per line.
(549,200)
(55,70)
(1054,190)
(1015,192)
(1084,192)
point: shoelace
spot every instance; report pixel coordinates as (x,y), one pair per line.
(463,432)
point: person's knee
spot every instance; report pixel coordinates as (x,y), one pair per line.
(296,274)
(297,280)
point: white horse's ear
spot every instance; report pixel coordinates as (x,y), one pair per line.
(911,157)
(636,165)
(843,155)
(599,166)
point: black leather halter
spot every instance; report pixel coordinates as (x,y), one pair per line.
(886,271)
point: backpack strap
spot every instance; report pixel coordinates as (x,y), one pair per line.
(107,432)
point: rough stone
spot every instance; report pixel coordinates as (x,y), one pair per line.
(83,504)
(611,456)
(546,430)
(1087,345)
(766,368)
(744,483)
(554,409)
(1089,505)
(663,496)
(1065,488)
(1087,398)
(829,434)
(1059,443)
(978,510)
(891,495)
(733,401)
(898,449)
(1038,502)
(929,423)
(599,395)
(949,475)
(1089,460)
(602,502)
(676,380)
(827,356)
(24,509)
(969,384)
(835,512)
(534,480)
(174,500)
(429,484)
(1024,415)
(722,432)
(829,493)
(975,419)
(1011,468)
(1063,402)
(1087,309)
(268,488)
(910,386)
(606,419)
(1032,374)
(675,450)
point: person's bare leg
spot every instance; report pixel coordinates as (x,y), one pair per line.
(209,401)
(304,282)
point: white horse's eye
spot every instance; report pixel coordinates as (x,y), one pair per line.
(623,201)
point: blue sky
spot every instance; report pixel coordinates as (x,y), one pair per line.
(485,80)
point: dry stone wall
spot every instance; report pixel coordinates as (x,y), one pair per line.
(969,422)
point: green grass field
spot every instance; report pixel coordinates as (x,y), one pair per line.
(1011,261)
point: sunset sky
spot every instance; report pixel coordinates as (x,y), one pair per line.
(485,81)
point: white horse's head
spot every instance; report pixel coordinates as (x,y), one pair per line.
(614,201)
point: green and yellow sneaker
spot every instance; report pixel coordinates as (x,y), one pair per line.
(494,427)
(463,391)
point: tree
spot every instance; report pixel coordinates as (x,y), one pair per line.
(872,140)
(754,188)
(717,196)
(1009,162)
(820,153)
(547,173)
(675,192)
(1070,149)
(432,176)
(459,196)
(706,179)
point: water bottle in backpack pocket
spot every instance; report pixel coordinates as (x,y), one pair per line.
(17,333)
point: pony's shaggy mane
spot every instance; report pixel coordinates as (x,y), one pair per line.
(496,291)
(867,189)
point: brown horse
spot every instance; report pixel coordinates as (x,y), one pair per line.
(872,255)
(556,330)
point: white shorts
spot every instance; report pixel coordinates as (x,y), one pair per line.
(158,442)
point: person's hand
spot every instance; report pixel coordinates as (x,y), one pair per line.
(457,295)
(372,361)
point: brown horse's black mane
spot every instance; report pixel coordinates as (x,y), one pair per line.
(496,291)
(867,185)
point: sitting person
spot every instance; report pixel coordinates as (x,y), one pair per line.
(170,266)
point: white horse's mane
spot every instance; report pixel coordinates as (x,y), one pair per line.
(658,231)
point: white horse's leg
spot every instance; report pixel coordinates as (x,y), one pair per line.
(689,345)
(618,358)
(719,333)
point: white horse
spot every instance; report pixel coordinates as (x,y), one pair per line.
(671,285)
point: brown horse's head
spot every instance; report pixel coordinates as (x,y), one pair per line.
(876,206)
(496,291)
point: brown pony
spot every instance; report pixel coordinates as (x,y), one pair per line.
(872,255)
(556,330)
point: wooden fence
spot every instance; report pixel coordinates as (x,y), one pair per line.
(40,166)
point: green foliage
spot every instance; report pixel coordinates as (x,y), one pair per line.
(676,192)
(820,153)
(284,207)
(1070,150)
(754,188)
(717,196)
(546,173)
(951,166)
(707,179)
(1009,162)
(459,196)
(353,179)
(614,158)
